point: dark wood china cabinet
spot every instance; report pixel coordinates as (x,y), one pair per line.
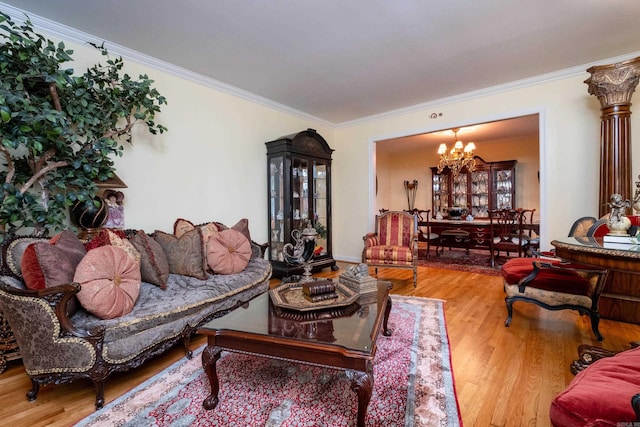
(492,185)
(299,193)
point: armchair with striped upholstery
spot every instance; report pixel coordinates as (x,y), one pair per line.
(394,243)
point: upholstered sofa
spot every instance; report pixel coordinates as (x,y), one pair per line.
(57,346)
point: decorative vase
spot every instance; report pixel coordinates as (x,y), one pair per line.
(89,216)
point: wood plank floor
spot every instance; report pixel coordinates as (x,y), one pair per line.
(503,376)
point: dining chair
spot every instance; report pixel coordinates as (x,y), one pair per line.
(507,233)
(425,235)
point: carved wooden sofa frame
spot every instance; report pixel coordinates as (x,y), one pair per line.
(57,348)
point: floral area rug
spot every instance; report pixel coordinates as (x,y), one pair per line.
(477,261)
(413,385)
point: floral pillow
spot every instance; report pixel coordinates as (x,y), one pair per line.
(115,238)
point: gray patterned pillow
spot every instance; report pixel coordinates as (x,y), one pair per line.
(154,266)
(185,254)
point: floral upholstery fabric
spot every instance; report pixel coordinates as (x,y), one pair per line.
(34,325)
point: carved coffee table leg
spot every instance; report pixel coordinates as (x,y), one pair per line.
(210,356)
(385,329)
(362,384)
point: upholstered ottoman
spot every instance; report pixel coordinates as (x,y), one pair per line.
(554,285)
(601,394)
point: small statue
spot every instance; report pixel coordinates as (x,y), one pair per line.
(618,223)
(357,271)
(618,207)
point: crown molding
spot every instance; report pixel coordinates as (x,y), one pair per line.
(68,33)
(72,34)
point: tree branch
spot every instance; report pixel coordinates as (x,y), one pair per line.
(42,172)
(11,169)
(53,91)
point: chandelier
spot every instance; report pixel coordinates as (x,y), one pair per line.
(458,157)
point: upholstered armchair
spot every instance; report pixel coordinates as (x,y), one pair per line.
(394,243)
(554,285)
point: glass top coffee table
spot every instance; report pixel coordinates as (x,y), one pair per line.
(342,338)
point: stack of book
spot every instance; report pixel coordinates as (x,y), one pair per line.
(320,290)
(626,242)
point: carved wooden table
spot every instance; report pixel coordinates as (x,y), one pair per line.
(262,329)
(620,299)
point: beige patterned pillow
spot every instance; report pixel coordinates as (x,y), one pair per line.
(185,254)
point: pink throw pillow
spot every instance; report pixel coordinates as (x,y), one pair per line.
(228,252)
(110,281)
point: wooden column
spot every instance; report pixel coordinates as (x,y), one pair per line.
(613,85)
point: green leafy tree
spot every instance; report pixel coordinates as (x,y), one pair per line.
(59,131)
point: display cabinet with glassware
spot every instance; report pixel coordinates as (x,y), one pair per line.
(299,196)
(492,185)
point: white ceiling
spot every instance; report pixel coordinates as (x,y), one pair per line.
(501,130)
(342,60)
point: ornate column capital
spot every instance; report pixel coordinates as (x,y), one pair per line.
(615,83)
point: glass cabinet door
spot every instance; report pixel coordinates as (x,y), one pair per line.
(320,208)
(460,190)
(503,181)
(300,196)
(440,194)
(480,194)
(276,206)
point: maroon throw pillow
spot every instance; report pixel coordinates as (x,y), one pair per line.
(45,264)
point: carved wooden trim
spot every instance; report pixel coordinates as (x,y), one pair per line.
(614,85)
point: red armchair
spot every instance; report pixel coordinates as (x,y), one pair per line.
(394,243)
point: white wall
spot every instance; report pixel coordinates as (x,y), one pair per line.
(211,165)
(569,138)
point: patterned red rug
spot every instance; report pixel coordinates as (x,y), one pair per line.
(413,385)
(477,261)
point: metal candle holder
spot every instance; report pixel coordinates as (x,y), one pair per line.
(302,252)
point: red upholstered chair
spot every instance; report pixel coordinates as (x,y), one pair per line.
(394,243)
(554,285)
(606,393)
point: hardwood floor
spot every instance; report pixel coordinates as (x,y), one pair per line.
(503,376)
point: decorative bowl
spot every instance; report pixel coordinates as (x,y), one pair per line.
(455,212)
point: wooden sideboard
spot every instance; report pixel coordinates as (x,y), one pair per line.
(479,231)
(621,297)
